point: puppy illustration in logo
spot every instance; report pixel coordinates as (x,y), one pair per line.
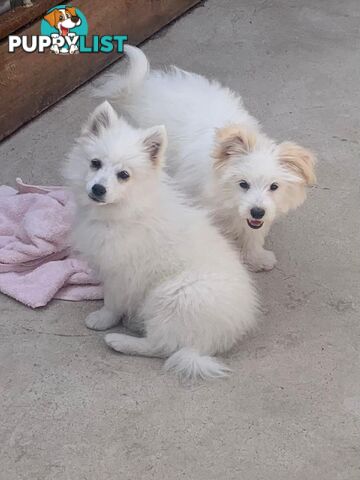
(63,20)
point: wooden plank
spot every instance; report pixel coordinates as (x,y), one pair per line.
(31,82)
(22,16)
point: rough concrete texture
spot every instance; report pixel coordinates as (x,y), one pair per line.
(73,409)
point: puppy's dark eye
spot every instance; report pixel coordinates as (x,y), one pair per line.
(274,186)
(96,164)
(123,175)
(244,185)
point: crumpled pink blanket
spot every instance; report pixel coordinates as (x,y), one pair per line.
(36,264)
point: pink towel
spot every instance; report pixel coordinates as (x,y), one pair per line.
(35,260)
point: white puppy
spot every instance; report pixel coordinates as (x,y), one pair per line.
(163,264)
(217,152)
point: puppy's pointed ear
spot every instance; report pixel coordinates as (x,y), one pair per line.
(155,142)
(299,161)
(103,117)
(233,140)
(71,10)
(51,18)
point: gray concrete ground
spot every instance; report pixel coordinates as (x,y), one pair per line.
(73,409)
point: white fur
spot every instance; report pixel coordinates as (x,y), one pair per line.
(163,265)
(192,108)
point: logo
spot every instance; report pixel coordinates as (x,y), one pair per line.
(64,25)
(64,30)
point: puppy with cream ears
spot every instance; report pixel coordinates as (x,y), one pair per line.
(164,266)
(217,151)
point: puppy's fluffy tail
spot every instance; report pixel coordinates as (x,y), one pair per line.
(189,364)
(122,85)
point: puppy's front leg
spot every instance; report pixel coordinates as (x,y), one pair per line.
(55,49)
(255,255)
(102,319)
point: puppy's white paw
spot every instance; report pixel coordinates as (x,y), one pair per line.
(263,260)
(101,320)
(114,340)
(55,49)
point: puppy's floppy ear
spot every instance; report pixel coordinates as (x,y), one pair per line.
(232,140)
(298,161)
(102,118)
(155,142)
(71,10)
(51,18)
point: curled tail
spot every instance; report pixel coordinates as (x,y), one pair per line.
(117,85)
(190,364)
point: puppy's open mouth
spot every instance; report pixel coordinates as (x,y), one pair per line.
(254,223)
(64,31)
(95,198)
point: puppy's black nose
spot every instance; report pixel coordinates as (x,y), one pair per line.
(257,212)
(75,18)
(98,190)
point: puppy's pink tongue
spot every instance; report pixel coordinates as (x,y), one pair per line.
(64,31)
(255,222)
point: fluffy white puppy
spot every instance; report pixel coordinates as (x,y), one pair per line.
(163,264)
(217,152)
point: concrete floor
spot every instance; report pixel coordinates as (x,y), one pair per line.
(74,410)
